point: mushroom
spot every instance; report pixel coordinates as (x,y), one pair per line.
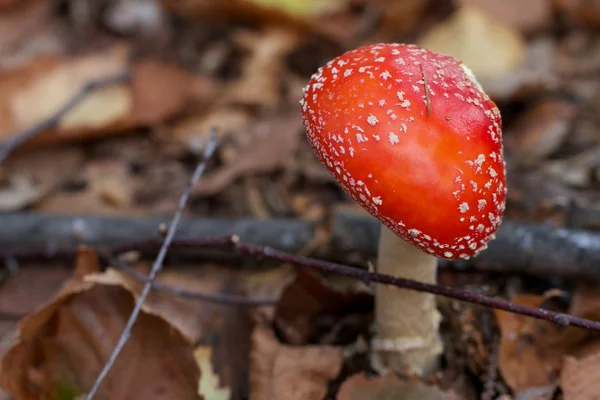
(412,137)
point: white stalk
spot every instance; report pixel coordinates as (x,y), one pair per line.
(407,322)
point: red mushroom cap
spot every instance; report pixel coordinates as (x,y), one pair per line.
(410,134)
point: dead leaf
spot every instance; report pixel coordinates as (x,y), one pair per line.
(526,16)
(579,378)
(360,387)
(195,130)
(47,169)
(8,335)
(540,131)
(537,393)
(307,298)
(273,14)
(20,22)
(272,140)
(225,328)
(528,355)
(62,346)
(30,287)
(488,47)
(262,73)
(586,12)
(280,372)
(37,90)
(209,386)
(401,16)
(18,193)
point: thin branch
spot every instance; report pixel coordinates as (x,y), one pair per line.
(27,134)
(368,277)
(157,265)
(520,247)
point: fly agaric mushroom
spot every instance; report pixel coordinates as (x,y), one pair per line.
(412,137)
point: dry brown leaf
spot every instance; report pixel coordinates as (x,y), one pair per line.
(586,12)
(307,298)
(401,16)
(109,190)
(30,287)
(209,386)
(8,335)
(17,192)
(280,372)
(272,141)
(360,387)
(540,131)
(528,355)
(537,393)
(262,71)
(48,169)
(195,130)
(38,89)
(20,22)
(255,13)
(489,48)
(526,16)
(579,378)
(63,346)
(226,328)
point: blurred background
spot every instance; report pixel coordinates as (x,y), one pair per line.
(178,69)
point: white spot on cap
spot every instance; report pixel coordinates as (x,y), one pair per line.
(394,139)
(463,208)
(372,120)
(481,204)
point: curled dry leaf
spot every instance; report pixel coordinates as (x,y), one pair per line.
(31,287)
(38,89)
(62,347)
(280,372)
(46,169)
(301,16)
(490,48)
(586,12)
(225,328)
(528,355)
(209,386)
(227,121)
(307,298)
(272,140)
(526,16)
(579,378)
(401,16)
(360,387)
(20,22)
(262,71)
(540,131)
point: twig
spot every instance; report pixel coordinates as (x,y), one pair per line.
(23,136)
(519,248)
(157,265)
(365,276)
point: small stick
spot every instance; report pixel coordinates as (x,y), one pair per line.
(366,276)
(17,139)
(157,265)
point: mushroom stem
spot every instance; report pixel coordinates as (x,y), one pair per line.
(407,339)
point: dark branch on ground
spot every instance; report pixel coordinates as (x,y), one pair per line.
(520,248)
